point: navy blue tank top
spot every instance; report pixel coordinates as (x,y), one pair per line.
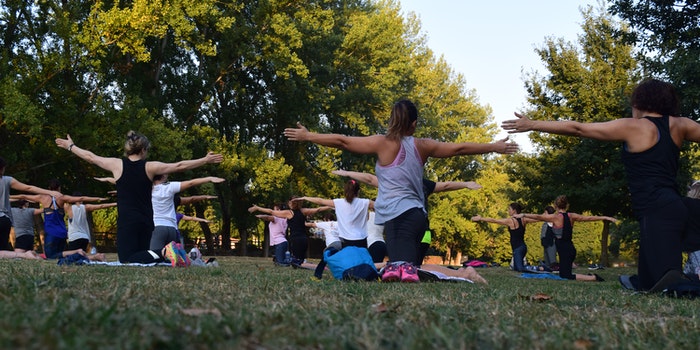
(651,174)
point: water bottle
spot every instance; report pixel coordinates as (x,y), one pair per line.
(287,257)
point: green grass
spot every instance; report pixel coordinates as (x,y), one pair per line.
(247,303)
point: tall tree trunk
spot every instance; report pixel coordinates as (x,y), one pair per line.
(604,244)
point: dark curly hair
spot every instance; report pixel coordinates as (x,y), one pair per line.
(652,95)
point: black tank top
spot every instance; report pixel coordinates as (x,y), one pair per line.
(517,236)
(297,225)
(651,175)
(134,194)
(567,232)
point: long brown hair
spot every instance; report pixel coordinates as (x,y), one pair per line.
(352,189)
(403,114)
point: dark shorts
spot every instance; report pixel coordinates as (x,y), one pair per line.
(25,242)
(80,243)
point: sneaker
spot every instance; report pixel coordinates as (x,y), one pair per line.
(596,267)
(409,273)
(170,253)
(392,273)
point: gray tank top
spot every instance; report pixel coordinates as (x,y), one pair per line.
(400,183)
(5,208)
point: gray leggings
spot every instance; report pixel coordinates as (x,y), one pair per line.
(163,235)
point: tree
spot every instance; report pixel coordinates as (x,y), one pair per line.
(668,33)
(587,84)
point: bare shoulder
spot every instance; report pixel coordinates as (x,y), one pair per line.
(684,128)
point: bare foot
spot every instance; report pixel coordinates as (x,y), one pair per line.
(470,273)
(30,254)
(97,257)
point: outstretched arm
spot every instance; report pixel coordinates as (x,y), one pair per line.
(312,211)
(75,199)
(194,218)
(19,186)
(265,217)
(436,149)
(199,181)
(107,163)
(316,200)
(91,207)
(479,218)
(455,185)
(616,130)
(193,199)
(111,180)
(579,217)
(284,214)
(155,168)
(555,218)
(34,198)
(365,178)
(356,144)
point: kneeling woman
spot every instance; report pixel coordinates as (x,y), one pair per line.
(563,231)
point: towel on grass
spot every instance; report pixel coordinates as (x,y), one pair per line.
(549,276)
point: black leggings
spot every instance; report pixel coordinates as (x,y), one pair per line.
(5,227)
(567,255)
(298,246)
(132,244)
(404,234)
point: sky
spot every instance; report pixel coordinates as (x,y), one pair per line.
(492,44)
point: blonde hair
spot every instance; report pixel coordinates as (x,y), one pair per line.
(135,143)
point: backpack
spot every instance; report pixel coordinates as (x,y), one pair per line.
(351,263)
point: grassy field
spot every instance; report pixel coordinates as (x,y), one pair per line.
(247,303)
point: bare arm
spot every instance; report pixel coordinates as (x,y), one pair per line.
(356,144)
(579,217)
(455,185)
(34,198)
(284,214)
(365,178)
(265,217)
(194,218)
(312,211)
(317,200)
(110,164)
(110,180)
(91,207)
(75,199)
(555,218)
(436,149)
(19,186)
(155,168)
(505,222)
(616,130)
(193,199)
(200,181)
